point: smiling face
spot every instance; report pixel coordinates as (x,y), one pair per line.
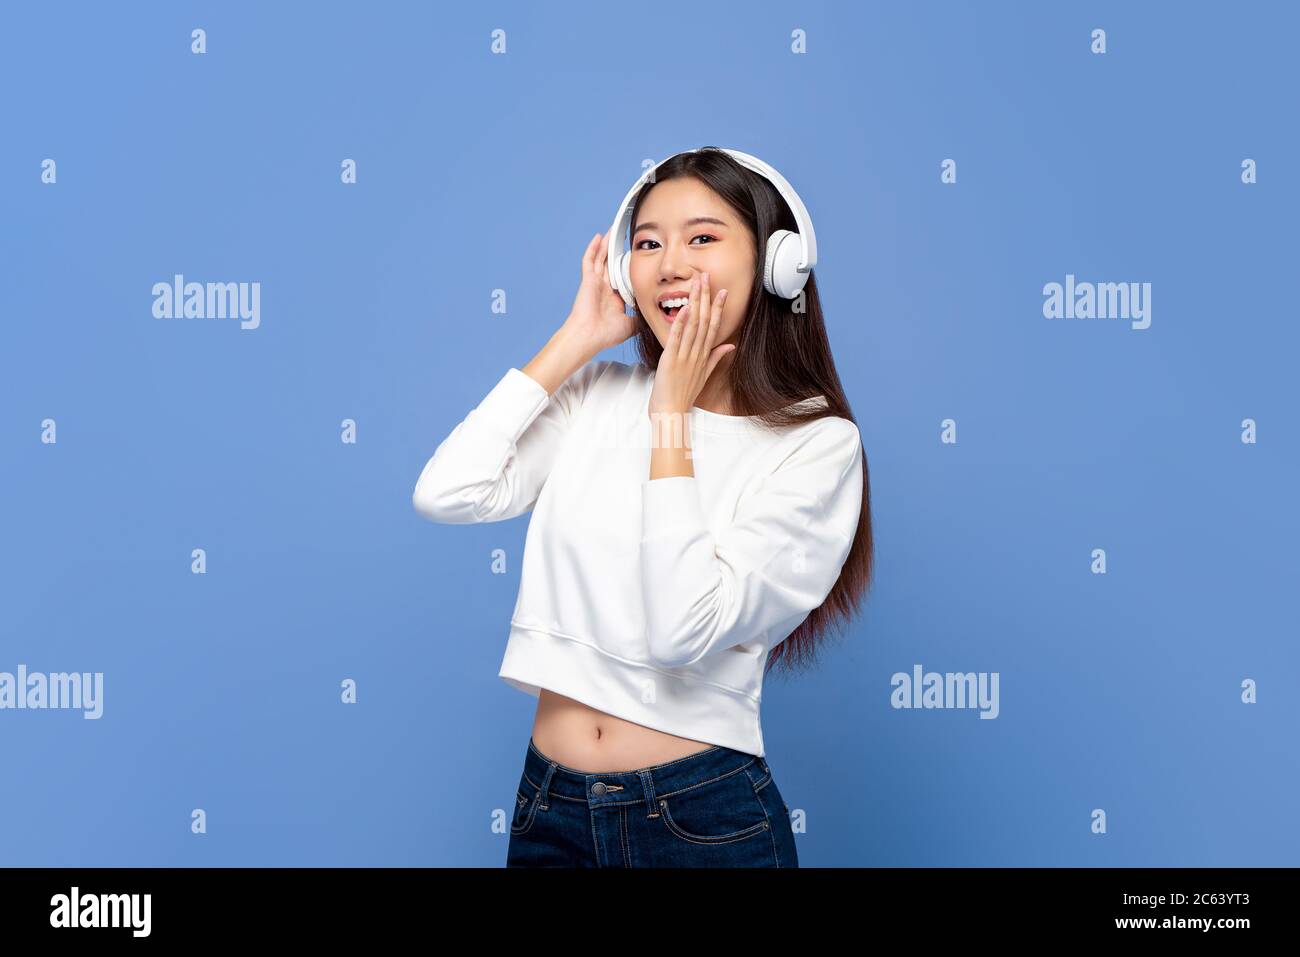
(683,229)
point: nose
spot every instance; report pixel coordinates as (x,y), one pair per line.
(668,268)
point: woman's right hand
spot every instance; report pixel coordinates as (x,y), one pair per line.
(599,315)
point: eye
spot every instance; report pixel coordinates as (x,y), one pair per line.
(700,236)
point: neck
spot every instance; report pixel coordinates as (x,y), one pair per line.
(716,396)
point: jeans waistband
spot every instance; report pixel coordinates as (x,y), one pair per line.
(641,785)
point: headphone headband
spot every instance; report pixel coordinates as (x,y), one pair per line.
(790,256)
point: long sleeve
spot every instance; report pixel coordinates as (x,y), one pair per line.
(759,577)
(493,464)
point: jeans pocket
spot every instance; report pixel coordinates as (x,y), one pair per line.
(526,800)
(717,812)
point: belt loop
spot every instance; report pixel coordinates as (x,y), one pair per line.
(544,794)
(648,782)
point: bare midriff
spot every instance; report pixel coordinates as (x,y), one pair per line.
(587,740)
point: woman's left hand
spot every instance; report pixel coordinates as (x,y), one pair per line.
(689,358)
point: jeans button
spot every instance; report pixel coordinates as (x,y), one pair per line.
(598,788)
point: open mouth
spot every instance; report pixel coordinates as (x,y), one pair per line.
(670,308)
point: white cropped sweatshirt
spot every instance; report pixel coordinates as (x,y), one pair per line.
(653,601)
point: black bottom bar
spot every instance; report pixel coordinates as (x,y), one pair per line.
(365,905)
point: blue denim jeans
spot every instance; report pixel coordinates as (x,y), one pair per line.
(715,808)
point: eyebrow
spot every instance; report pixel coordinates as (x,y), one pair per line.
(689,222)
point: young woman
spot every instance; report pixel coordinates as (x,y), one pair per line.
(697,518)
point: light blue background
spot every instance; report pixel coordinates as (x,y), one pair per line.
(479,172)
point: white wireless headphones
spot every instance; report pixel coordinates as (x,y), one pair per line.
(790,256)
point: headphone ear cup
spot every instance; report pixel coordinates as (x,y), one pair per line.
(623,271)
(781,276)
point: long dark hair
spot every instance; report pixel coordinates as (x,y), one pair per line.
(782,356)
